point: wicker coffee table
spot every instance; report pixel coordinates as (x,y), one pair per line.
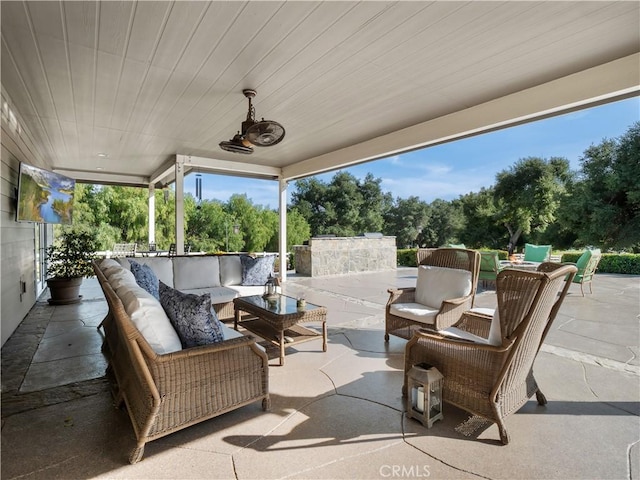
(278,320)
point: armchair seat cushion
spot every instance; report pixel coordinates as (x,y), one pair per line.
(414,311)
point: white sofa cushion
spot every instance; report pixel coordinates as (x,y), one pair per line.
(495,337)
(109,262)
(230,270)
(120,278)
(218,294)
(227,294)
(436,284)
(246,290)
(195,272)
(414,311)
(149,317)
(230,333)
(161,266)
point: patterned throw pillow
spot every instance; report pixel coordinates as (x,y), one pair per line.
(256,271)
(192,317)
(145,277)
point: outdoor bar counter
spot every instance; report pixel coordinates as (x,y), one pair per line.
(343,255)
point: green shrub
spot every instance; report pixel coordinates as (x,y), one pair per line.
(628,263)
(625,263)
(571,257)
(406,257)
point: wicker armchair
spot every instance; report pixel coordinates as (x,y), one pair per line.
(494,381)
(450,310)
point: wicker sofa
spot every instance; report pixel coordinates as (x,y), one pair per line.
(166,388)
(218,275)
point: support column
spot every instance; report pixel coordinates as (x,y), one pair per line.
(282,246)
(152,213)
(179,168)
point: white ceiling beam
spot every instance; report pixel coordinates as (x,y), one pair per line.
(225,167)
(167,169)
(104,178)
(605,83)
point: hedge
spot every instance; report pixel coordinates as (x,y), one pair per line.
(625,263)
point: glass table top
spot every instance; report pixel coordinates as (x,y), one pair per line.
(279,304)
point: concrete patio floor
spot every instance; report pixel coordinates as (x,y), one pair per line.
(337,414)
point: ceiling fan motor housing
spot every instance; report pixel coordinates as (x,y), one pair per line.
(264,133)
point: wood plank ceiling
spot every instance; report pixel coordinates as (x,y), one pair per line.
(350,81)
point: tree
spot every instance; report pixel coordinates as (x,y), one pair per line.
(606,204)
(405,220)
(445,222)
(344,207)
(205,228)
(256,233)
(480,226)
(298,230)
(528,194)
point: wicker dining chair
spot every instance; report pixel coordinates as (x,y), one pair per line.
(494,379)
(436,317)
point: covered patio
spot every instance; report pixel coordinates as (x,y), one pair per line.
(337,414)
(142,93)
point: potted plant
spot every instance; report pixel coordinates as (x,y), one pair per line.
(68,262)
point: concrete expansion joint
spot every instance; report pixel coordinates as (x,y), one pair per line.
(591,359)
(437,459)
(630,473)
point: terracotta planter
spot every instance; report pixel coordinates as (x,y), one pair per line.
(64,290)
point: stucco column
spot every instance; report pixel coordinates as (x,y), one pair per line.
(179,204)
(152,213)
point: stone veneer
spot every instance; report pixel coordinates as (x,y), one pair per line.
(343,255)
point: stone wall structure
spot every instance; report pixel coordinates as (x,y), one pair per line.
(343,255)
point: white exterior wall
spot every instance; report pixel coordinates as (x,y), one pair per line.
(17,240)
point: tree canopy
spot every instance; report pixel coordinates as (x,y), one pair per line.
(535,200)
(528,194)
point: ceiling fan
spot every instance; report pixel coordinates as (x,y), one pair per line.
(264,133)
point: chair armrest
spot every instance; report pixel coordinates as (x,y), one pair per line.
(456,301)
(476,323)
(451,310)
(425,336)
(401,295)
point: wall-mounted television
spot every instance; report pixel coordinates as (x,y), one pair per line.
(44,196)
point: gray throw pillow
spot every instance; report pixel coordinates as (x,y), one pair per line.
(145,278)
(256,271)
(192,316)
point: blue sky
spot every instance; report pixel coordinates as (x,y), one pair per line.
(453,169)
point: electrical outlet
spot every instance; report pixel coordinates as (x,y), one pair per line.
(23,287)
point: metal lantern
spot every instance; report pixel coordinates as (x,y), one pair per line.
(270,287)
(424,402)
